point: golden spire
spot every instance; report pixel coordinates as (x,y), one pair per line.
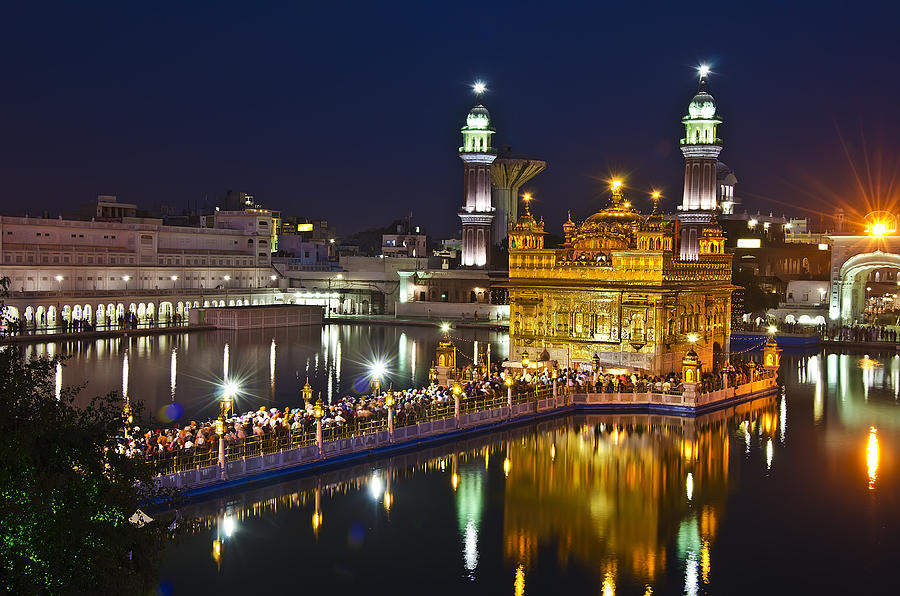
(526,200)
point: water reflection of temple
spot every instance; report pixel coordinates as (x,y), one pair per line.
(617,494)
(611,492)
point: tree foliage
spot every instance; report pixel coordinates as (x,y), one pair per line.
(66,496)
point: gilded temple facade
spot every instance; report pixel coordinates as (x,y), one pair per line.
(618,290)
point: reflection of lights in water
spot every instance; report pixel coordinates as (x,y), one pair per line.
(225,362)
(376,486)
(506,466)
(689,546)
(770,450)
(402,351)
(609,584)
(867,363)
(454,481)
(469,505)
(228,525)
(519,584)
(690,486)
(872,457)
(783,419)
(58,380)
(552,452)
(173,372)
(746,425)
(895,375)
(818,402)
(704,561)
(272,365)
(470,551)
(125,375)
(412,360)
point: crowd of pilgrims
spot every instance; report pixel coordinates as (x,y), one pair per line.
(410,406)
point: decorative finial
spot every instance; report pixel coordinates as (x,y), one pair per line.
(616,187)
(655,197)
(703,71)
(479,88)
(526,199)
(570,217)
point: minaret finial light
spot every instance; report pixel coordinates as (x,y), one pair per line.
(703,70)
(479,88)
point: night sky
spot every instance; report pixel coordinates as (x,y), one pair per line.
(352,111)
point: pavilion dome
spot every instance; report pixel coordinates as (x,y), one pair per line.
(478,118)
(703,106)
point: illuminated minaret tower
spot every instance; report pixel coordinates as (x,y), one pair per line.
(477,213)
(701,148)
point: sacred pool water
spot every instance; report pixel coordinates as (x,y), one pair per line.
(797,493)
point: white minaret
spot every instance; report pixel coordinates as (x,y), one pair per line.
(477,213)
(700,147)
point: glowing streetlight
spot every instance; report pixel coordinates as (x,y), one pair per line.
(772,329)
(227,278)
(693,338)
(525,360)
(376,372)
(445,327)
(58,278)
(273,277)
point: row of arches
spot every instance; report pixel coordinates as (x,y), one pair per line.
(111,313)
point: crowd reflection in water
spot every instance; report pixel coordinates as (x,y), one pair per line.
(613,493)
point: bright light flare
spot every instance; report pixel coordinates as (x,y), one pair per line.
(703,69)
(230,389)
(616,184)
(693,338)
(378,369)
(445,327)
(479,87)
(772,329)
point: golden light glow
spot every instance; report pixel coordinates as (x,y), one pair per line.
(693,338)
(609,584)
(772,329)
(616,184)
(388,500)
(519,585)
(217,551)
(506,466)
(872,456)
(454,481)
(655,194)
(880,228)
(316,520)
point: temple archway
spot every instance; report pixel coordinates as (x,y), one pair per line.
(848,292)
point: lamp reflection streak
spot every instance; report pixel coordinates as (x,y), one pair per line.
(872,457)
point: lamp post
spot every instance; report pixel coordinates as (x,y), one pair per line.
(376,373)
(509,385)
(226,278)
(457,391)
(272,279)
(389,402)
(226,404)
(432,374)
(318,412)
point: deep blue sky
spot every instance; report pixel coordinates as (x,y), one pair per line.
(351,111)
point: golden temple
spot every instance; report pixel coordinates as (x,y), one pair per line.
(617,290)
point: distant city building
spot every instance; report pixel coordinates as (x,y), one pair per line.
(107,208)
(409,241)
